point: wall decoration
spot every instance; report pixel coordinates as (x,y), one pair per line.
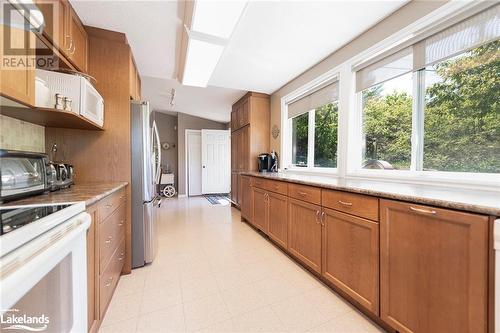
(275,131)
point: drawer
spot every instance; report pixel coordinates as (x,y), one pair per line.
(276,186)
(109,278)
(110,203)
(259,182)
(111,231)
(305,193)
(356,204)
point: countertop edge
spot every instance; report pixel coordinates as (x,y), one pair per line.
(94,199)
(473,208)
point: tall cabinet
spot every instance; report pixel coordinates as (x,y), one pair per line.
(250,119)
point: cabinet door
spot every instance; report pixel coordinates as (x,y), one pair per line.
(244,151)
(18,81)
(92,277)
(246,199)
(304,233)
(433,269)
(278,218)
(79,39)
(51,14)
(350,256)
(260,208)
(244,114)
(234,120)
(234,187)
(234,151)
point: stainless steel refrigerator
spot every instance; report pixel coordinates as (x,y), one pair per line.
(146,172)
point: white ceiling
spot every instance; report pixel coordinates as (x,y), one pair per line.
(210,103)
(277,40)
(273,42)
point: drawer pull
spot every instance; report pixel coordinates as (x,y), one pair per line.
(423,211)
(343,203)
(302,193)
(107,241)
(109,283)
(121,223)
(109,206)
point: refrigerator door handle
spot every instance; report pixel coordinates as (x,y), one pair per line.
(156,137)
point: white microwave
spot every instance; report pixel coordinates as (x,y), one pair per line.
(86,100)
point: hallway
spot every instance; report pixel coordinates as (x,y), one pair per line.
(214,273)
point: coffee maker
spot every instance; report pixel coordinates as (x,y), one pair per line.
(268,162)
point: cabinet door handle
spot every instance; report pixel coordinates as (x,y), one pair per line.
(107,241)
(109,283)
(343,203)
(109,206)
(121,223)
(323,218)
(317,217)
(423,211)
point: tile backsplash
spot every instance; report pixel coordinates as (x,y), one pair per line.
(16,134)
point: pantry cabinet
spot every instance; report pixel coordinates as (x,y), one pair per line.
(433,269)
(350,248)
(17,75)
(249,136)
(304,233)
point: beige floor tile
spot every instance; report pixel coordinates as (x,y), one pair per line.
(260,320)
(298,314)
(225,326)
(198,287)
(275,289)
(123,307)
(167,295)
(329,303)
(205,312)
(243,299)
(125,326)
(167,320)
(352,322)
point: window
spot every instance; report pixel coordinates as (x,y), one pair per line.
(313,123)
(433,105)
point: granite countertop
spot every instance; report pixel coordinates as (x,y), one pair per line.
(88,192)
(478,201)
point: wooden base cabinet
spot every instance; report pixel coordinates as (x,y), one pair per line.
(433,269)
(304,233)
(277,218)
(351,256)
(246,200)
(260,209)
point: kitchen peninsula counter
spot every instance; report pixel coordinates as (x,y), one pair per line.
(88,192)
(478,201)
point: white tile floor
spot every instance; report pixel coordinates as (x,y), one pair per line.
(214,273)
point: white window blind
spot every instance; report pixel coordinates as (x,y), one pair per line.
(472,32)
(319,97)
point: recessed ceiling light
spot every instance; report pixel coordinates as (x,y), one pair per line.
(201,59)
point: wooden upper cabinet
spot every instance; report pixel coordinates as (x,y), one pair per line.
(132,78)
(433,269)
(244,152)
(304,233)
(243,114)
(351,256)
(78,52)
(277,217)
(138,87)
(234,120)
(18,82)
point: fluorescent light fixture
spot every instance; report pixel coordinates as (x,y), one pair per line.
(217,18)
(201,59)
(31,13)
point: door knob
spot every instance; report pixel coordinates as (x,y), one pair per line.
(203,167)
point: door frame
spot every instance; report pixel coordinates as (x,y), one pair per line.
(186,134)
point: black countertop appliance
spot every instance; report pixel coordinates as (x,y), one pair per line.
(267,162)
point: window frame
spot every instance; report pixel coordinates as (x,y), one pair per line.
(286,125)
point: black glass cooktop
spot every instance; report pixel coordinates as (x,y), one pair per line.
(15,218)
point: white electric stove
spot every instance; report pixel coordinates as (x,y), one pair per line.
(43,266)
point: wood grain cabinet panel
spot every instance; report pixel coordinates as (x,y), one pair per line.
(92,270)
(306,193)
(352,203)
(18,82)
(351,256)
(246,198)
(243,112)
(433,269)
(277,218)
(109,278)
(304,233)
(234,187)
(260,209)
(78,52)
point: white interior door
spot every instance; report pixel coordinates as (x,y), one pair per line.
(194,162)
(216,161)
